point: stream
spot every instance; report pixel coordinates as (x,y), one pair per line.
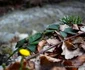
(25,21)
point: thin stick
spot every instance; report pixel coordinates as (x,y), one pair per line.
(41,52)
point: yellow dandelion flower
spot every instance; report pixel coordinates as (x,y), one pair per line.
(24,52)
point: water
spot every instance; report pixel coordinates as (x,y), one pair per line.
(38,18)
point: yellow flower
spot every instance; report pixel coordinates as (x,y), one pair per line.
(24,52)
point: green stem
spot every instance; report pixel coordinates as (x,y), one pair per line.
(21,63)
(4,66)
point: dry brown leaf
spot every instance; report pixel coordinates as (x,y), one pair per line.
(68,63)
(70,54)
(63,27)
(50,59)
(47,63)
(78,40)
(40,45)
(16,66)
(79,60)
(69,45)
(53,41)
(75,26)
(46,47)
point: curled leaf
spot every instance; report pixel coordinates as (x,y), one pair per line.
(70,54)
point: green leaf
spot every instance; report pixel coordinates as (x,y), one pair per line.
(35,37)
(49,31)
(32,48)
(53,27)
(71,20)
(62,33)
(20,43)
(34,43)
(70,31)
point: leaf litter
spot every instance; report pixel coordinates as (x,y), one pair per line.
(59,47)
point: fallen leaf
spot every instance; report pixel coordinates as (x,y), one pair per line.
(69,45)
(70,54)
(40,45)
(46,47)
(63,27)
(79,60)
(16,66)
(78,40)
(69,66)
(48,63)
(52,41)
(75,26)
(51,59)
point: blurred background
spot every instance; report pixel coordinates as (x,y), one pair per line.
(26,15)
(23,17)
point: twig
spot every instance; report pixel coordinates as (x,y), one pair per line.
(41,52)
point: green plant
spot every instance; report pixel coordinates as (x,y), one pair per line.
(71,20)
